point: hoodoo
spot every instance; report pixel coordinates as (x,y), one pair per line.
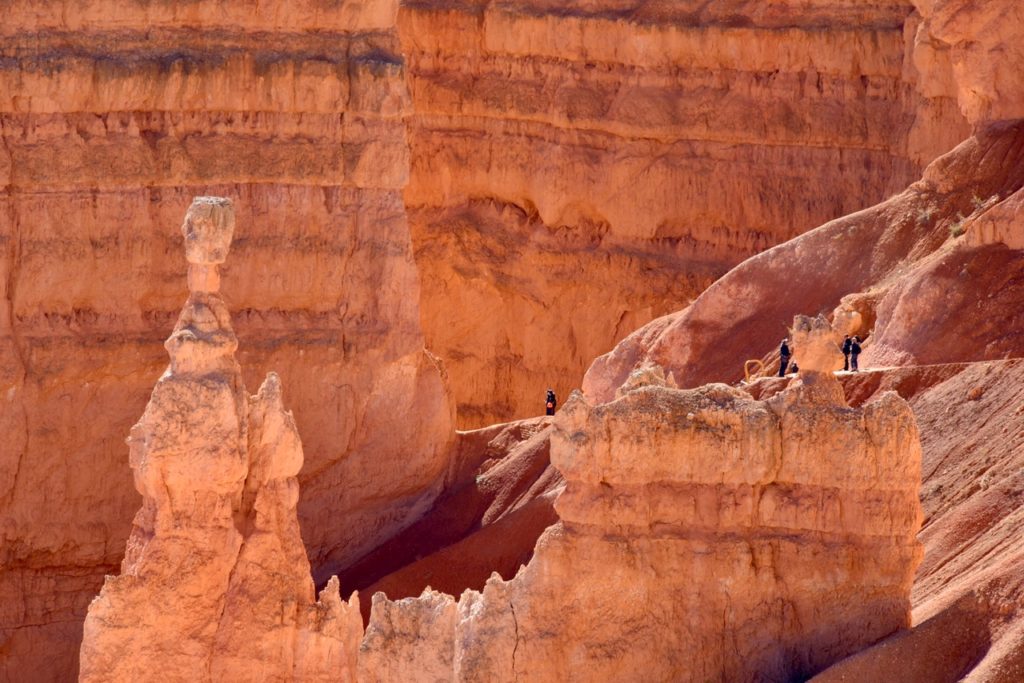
(215,584)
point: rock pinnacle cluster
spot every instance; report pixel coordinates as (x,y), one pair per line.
(215,583)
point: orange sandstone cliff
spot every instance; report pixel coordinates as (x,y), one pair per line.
(113,115)
(514,137)
(651,146)
(704,536)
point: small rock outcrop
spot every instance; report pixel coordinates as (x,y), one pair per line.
(215,584)
(704,535)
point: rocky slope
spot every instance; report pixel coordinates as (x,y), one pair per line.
(499,500)
(650,145)
(112,117)
(703,535)
(914,271)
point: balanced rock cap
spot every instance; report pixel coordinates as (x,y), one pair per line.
(208,228)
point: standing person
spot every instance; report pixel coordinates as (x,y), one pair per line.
(550,403)
(784,355)
(854,352)
(847,345)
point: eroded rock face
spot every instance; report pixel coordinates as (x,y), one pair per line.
(968,625)
(113,116)
(650,145)
(703,535)
(911,268)
(974,50)
(215,583)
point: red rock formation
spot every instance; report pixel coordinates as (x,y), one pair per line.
(113,115)
(215,584)
(704,535)
(967,594)
(919,284)
(500,499)
(651,146)
(974,51)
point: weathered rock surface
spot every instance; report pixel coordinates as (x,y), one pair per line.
(924,292)
(499,501)
(650,145)
(704,535)
(974,51)
(968,592)
(113,115)
(215,584)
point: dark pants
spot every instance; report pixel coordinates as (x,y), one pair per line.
(853,361)
(783,366)
(846,361)
(550,410)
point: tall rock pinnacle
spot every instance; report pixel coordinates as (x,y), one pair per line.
(215,583)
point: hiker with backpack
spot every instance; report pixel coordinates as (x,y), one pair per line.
(784,356)
(550,403)
(847,345)
(854,352)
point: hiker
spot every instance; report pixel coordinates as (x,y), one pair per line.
(847,345)
(784,355)
(550,402)
(854,352)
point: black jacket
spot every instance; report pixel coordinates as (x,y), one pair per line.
(784,350)
(854,348)
(847,345)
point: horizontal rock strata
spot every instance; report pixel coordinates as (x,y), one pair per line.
(704,535)
(651,146)
(112,117)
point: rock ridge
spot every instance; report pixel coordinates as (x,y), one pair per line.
(702,535)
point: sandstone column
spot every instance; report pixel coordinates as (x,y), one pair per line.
(215,584)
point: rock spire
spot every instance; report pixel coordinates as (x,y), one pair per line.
(215,583)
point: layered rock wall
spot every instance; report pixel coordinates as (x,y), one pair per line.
(926,273)
(703,536)
(112,117)
(651,146)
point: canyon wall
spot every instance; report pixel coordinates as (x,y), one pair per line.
(728,537)
(973,51)
(926,273)
(704,536)
(113,115)
(651,146)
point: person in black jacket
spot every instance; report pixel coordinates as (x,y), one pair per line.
(854,352)
(847,345)
(550,403)
(784,355)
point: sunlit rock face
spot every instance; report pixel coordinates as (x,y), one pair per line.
(113,115)
(932,275)
(215,584)
(650,146)
(974,50)
(703,535)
